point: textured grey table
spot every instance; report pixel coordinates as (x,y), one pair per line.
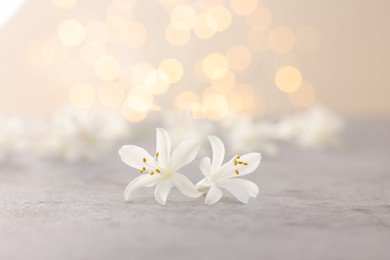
(312,205)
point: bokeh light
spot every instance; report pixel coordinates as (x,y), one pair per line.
(125,77)
(54,52)
(107,68)
(205,26)
(157,82)
(96,33)
(82,95)
(173,69)
(140,72)
(281,39)
(239,57)
(183,17)
(111,94)
(124,4)
(71,32)
(187,101)
(177,37)
(308,39)
(132,115)
(260,19)
(225,83)
(215,65)
(243,8)
(222,16)
(288,79)
(136,35)
(139,99)
(117,28)
(304,96)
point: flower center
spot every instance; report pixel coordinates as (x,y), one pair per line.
(237,162)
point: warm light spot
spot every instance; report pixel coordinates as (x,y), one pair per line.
(157,82)
(82,95)
(115,11)
(281,39)
(71,32)
(304,96)
(215,104)
(226,83)
(117,28)
(307,38)
(90,54)
(247,95)
(96,33)
(288,79)
(242,7)
(172,68)
(187,101)
(54,52)
(235,102)
(260,19)
(177,37)
(140,99)
(140,72)
(205,26)
(198,71)
(209,4)
(239,57)
(125,78)
(111,94)
(222,16)
(182,17)
(258,41)
(215,66)
(107,68)
(136,35)
(124,4)
(133,115)
(64,4)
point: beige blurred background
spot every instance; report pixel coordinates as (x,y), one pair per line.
(347,62)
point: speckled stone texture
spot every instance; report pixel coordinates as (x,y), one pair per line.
(332,204)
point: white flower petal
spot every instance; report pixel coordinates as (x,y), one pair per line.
(249,186)
(163,146)
(205,166)
(183,154)
(240,193)
(251,160)
(162,190)
(218,152)
(134,156)
(214,195)
(139,182)
(203,184)
(185,186)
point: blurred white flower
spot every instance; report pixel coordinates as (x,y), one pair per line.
(316,127)
(185,127)
(11,137)
(162,169)
(244,135)
(76,135)
(218,175)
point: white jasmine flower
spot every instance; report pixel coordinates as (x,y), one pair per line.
(76,135)
(218,175)
(245,134)
(162,169)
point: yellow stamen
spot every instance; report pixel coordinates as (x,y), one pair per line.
(238,157)
(237,172)
(157,154)
(144,160)
(240,162)
(245,163)
(151,173)
(235,162)
(157,170)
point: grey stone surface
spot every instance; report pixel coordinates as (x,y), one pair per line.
(332,204)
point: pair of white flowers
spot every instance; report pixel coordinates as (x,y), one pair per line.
(162,170)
